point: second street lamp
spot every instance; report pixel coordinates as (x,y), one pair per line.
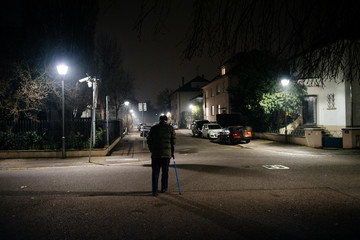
(62,70)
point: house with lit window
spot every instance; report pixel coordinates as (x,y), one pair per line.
(182,98)
(333,106)
(216,97)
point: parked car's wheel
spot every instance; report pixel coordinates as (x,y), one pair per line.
(247,141)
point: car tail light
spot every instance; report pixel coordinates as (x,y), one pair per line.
(236,134)
(247,133)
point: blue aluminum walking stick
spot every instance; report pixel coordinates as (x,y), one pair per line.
(177,178)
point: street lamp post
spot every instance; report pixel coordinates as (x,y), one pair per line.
(62,70)
(126,103)
(285,83)
(92,83)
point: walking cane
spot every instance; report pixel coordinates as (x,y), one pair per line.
(177,178)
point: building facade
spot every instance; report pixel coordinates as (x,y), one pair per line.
(332,105)
(181,99)
(216,97)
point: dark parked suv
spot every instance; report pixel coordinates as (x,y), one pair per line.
(197,126)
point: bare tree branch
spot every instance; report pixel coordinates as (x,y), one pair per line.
(320,32)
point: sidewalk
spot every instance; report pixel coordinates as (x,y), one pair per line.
(122,157)
(269,145)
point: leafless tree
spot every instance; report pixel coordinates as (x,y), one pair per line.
(319,38)
(163,99)
(26,93)
(114,81)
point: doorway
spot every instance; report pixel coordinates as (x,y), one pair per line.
(310,110)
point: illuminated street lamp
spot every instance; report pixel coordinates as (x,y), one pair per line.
(126,104)
(62,70)
(285,83)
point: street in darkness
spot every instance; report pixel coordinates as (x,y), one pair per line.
(260,190)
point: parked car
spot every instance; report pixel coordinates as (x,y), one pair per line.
(211,130)
(145,130)
(235,134)
(197,126)
(140,126)
(175,126)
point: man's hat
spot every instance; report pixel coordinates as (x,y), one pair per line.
(163,118)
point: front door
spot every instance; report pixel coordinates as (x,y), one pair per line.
(310,110)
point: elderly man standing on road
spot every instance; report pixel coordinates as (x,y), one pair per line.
(161,141)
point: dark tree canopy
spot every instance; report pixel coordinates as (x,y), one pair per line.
(40,34)
(49,31)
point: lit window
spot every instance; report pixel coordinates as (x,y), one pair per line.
(219,109)
(223,70)
(212,110)
(218,89)
(207,111)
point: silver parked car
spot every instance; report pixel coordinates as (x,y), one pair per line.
(211,130)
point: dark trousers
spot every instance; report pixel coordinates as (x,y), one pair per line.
(156,164)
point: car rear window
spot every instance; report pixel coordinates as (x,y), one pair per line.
(214,127)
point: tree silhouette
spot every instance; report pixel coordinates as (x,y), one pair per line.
(320,39)
(114,80)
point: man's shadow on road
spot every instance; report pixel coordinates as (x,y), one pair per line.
(213,169)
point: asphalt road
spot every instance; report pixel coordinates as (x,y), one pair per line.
(260,190)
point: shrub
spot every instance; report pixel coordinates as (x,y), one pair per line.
(99,140)
(77,141)
(21,141)
(35,140)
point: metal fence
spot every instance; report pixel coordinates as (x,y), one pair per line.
(53,129)
(301,132)
(295,132)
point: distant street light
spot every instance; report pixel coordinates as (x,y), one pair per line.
(126,103)
(285,83)
(62,70)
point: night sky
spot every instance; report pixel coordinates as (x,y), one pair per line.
(154,61)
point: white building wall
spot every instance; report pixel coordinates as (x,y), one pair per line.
(330,117)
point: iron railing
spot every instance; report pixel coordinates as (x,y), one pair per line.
(53,128)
